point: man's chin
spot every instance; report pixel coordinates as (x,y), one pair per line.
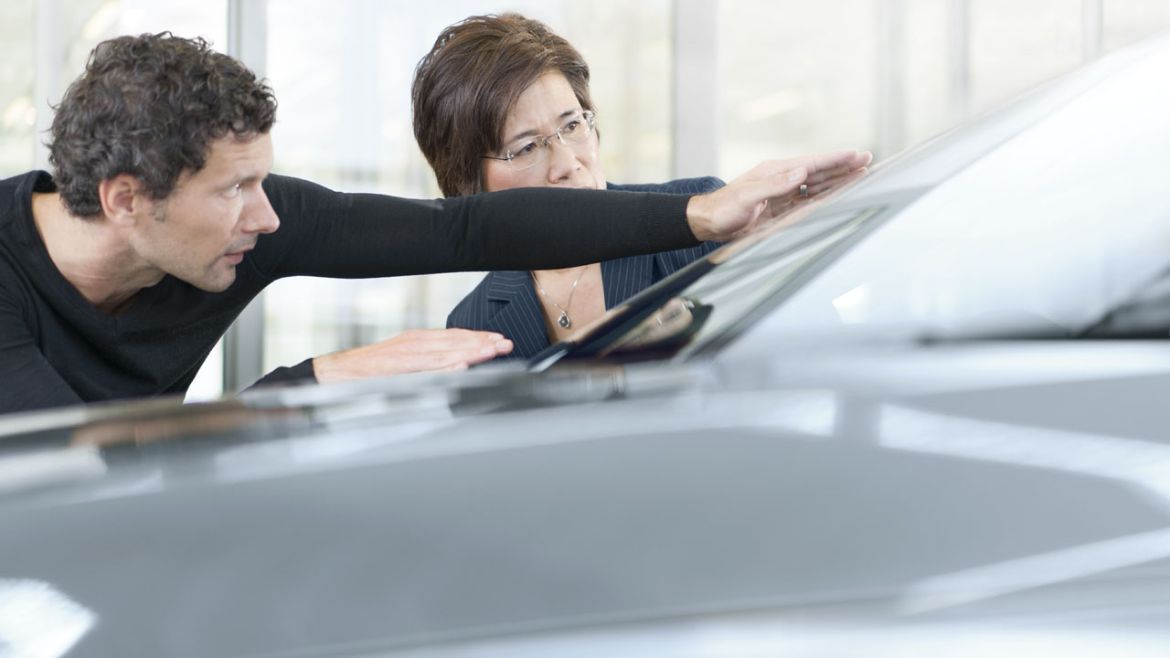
(216,284)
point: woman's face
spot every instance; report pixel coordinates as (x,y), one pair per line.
(544,107)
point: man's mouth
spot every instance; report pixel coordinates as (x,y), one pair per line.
(237,257)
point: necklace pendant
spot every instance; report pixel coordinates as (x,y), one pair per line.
(564,320)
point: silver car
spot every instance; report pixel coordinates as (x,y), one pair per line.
(927,417)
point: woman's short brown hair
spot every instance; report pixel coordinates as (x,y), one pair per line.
(473,75)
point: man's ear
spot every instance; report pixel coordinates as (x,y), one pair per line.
(124,199)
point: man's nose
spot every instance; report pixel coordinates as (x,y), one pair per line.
(259,216)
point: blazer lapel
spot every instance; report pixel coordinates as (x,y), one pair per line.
(515,312)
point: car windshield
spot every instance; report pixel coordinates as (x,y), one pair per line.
(1049,221)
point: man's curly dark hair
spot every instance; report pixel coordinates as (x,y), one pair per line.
(150,106)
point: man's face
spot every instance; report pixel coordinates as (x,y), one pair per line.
(541,110)
(205,228)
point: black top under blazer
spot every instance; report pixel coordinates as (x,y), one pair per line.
(506,301)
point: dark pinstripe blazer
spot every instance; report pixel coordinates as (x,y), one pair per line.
(506,301)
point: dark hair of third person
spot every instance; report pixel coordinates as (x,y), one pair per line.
(473,75)
(150,106)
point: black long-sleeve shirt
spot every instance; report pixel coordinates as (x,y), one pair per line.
(57,349)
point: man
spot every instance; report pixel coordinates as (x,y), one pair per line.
(120,272)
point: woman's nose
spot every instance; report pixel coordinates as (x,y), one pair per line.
(562,160)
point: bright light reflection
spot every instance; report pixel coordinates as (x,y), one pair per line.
(17,112)
(937,641)
(37,621)
(25,471)
(811,637)
(810,413)
(853,306)
(1142,463)
(1010,576)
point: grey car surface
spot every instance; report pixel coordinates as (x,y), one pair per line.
(925,418)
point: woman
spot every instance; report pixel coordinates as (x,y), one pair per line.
(502,102)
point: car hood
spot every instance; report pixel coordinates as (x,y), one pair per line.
(887,488)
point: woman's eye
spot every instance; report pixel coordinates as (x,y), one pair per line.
(527,149)
(570,127)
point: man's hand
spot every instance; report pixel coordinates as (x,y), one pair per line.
(418,350)
(770,189)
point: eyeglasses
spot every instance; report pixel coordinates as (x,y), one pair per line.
(532,151)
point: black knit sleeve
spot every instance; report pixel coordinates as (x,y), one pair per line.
(29,381)
(327,233)
(301,373)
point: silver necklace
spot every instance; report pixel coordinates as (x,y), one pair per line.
(564,320)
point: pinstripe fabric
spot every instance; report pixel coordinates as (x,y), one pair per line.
(506,301)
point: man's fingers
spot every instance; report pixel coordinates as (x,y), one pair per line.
(418,350)
(777,185)
(822,173)
(406,359)
(454,368)
(767,190)
(831,184)
(823,162)
(496,348)
(781,205)
(818,167)
(833,175)
(426,339)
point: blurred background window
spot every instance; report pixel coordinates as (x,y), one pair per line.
(800,81)
(17,80)
(1127,21)
(683,87)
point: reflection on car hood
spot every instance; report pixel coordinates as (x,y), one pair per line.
(908,494)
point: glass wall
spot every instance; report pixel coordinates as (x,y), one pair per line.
(1128,21)
(17,80)
(1016,45)
(83,23)
(796,76)
(44,46)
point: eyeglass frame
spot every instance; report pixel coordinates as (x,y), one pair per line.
(545,141)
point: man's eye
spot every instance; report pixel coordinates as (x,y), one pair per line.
(570,127)
(234,190)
